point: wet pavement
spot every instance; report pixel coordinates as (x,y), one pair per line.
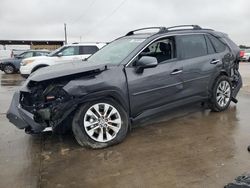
(185,147)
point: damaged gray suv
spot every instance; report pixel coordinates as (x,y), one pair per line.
(141,73)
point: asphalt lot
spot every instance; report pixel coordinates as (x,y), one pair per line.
(185,147)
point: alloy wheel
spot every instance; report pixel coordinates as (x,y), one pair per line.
(102,122)
(223,93)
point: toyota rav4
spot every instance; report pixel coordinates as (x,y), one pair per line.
(134,76)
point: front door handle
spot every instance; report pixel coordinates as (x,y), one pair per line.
(215,61)
(176,71)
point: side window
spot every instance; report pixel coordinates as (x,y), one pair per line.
(69,51)
(27,54)
(40,53)
(88,49)
(192,46)
(162,50)
(44,53)
(210,48)
(218,45)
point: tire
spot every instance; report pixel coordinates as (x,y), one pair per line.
(249,59)
(9,69)
(65,127)
(99,130)
(221,94)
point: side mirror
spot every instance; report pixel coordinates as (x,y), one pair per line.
(59,54)
(145,62)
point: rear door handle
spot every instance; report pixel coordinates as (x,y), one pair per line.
(176,71)
(215,61)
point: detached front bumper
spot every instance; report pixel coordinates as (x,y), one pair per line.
(21,118)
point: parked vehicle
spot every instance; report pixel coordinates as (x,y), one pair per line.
(68,53)
(130,78)
(246,56)
(17,52)
(12,65)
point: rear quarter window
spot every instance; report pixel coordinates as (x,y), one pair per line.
(218,45)
(88,49)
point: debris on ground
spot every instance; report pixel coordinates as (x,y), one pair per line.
(242,181)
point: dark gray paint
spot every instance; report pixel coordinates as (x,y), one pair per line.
(140,93)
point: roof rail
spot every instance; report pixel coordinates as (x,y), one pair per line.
(194,27)
(161,29)
(168,29)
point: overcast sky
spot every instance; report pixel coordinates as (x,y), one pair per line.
(105,20)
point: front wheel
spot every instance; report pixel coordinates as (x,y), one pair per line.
(221,94)
(9,69)
(100,124)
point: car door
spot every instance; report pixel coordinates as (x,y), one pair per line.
(199,63)
(156,86)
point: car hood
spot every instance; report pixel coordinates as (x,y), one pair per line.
(36,58)
(65,69)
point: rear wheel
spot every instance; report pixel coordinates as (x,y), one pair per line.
(9,69)
(221,94)
(100,124)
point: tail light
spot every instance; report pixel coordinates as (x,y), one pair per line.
(242,53)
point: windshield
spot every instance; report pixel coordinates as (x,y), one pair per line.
(116,51)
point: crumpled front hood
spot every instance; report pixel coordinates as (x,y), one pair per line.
(64,69)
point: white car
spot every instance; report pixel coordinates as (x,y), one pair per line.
(65,54)
(246,56)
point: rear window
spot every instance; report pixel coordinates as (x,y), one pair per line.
(218,45)
(88,49)
(192,46)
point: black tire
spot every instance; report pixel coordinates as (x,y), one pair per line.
(9,69)
(249,59)
(84,139)
(65,127)
(214,104)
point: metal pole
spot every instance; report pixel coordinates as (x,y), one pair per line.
(65,33)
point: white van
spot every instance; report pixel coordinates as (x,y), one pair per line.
(65,54)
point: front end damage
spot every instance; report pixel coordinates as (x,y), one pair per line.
(40,106)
